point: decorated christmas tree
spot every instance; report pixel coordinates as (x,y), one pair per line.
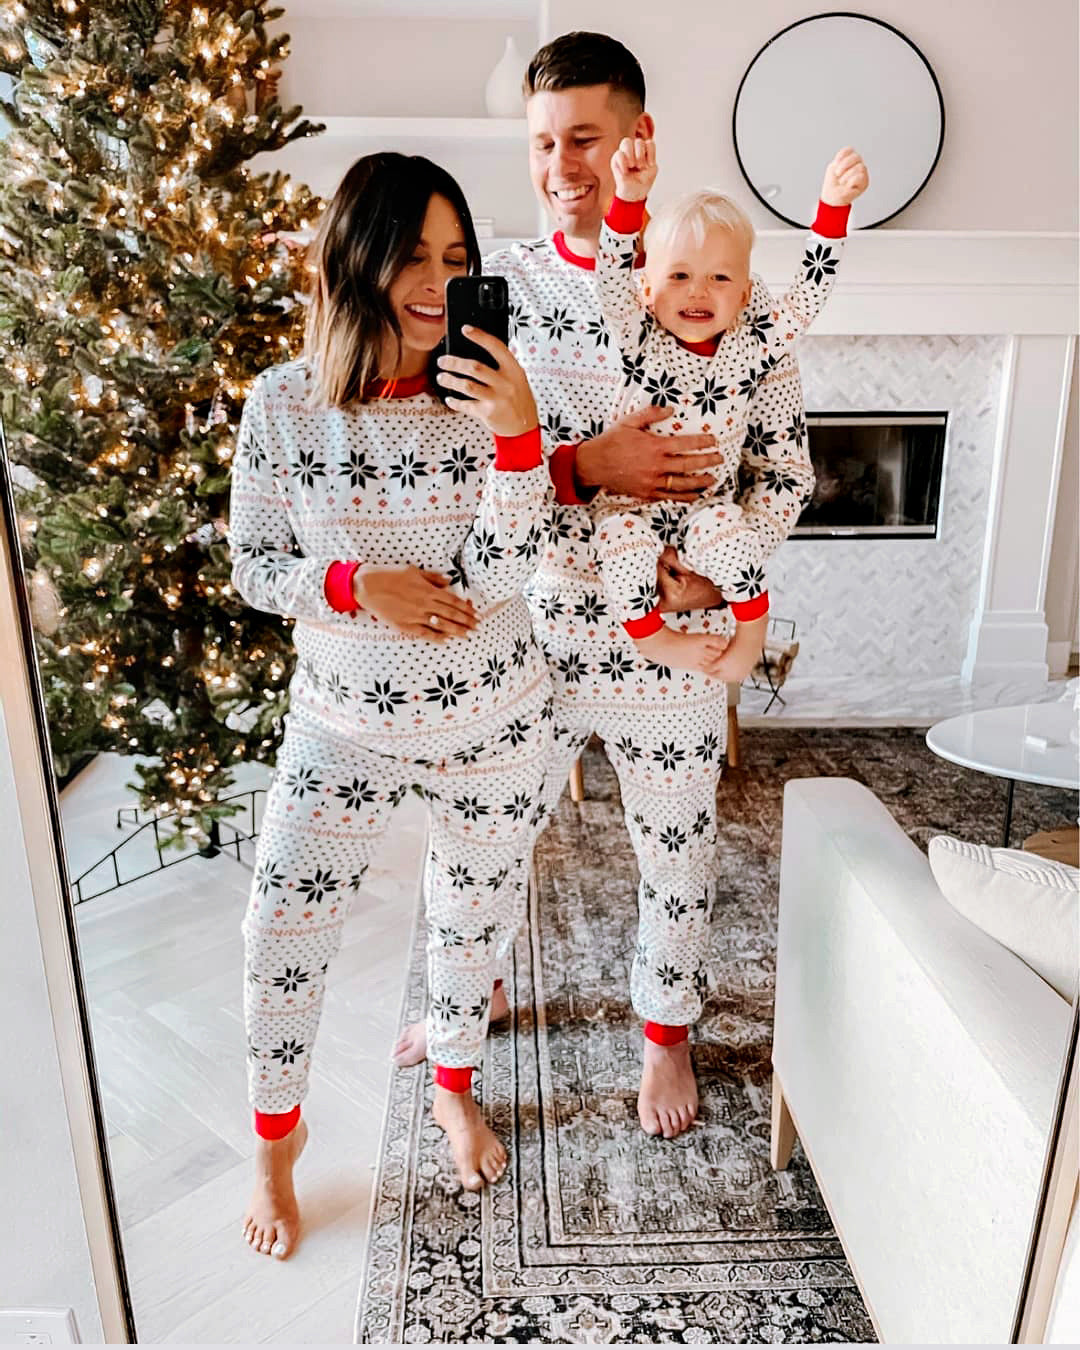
(144,283)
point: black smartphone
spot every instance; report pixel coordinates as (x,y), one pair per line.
(482,301)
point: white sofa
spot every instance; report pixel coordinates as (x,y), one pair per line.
(917,1060)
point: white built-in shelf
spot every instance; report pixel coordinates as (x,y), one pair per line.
(508,129)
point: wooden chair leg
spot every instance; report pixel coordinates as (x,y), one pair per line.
(577,782)
(783,1128)
(732,737)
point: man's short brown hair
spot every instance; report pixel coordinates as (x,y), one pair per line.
(578,60)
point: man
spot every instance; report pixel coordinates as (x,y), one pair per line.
(664,732)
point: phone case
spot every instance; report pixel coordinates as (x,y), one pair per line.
(463,306)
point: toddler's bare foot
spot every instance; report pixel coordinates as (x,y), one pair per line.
(668,1100)
(412,1045)
(479,1156)
(683,651)
(272,1222)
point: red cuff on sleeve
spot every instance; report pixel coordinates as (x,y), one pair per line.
(518,453)
(744,610)
(276,1125)
(337,587)
(561,469)
(625,217)
(646,627)
(831,221)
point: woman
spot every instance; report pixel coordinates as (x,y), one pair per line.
(367,509)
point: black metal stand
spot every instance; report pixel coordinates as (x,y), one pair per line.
(777,627)
(214,846)
(1008,813)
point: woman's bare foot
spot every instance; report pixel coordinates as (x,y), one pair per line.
(668,1101)
(683,651)
(412,1046)
(479,1156)
(272,1222)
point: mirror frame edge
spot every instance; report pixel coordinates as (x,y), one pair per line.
(1057,1194)
(38,809)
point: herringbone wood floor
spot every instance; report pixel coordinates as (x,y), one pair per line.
(162,963)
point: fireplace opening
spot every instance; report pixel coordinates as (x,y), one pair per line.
(877,474)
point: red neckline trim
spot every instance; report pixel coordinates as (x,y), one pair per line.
(707,347)
(565,251)
(406,388)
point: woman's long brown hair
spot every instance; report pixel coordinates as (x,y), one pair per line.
(367,234)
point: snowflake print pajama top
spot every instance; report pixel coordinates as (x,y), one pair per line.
(711,386)
(664,731)
(373,712)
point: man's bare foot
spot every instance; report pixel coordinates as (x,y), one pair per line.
(668,1101)
(412,1045)
(479,1156)
(272,1222)
(683,651)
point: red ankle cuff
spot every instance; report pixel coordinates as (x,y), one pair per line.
(454,1080)
(660,1034)
(276,1126)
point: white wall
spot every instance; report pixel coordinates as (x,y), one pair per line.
(407,67)
(44,1257)
(396,67)
(1007,71)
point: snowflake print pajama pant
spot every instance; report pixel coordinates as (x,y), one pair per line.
(630,538)
(666,749)
(329,807)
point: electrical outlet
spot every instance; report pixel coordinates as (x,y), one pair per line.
(38,1326)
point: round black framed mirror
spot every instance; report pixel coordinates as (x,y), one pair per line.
(831,80)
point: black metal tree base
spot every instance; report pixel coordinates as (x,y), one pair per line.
(214,846)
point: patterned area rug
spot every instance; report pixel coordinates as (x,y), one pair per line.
(599,1234)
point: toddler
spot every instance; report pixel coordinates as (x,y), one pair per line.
(700,335)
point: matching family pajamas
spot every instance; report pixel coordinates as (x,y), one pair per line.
(487,727)
(373,712)
(712,386)
(664,730)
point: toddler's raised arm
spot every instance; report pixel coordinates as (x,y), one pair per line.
(633,166)
(777,323)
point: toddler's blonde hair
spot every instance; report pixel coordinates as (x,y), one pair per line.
(695,213)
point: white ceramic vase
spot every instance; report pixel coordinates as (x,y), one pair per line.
(502,93)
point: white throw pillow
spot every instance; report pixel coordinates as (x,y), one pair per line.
(1029,904)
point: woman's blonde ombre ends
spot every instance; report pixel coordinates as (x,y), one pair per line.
(340,353)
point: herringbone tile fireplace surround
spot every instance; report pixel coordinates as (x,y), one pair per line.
(980,326)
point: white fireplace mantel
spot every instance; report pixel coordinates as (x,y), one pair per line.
(1020,286)
(940,281)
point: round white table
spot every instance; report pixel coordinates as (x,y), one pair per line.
(1032,743)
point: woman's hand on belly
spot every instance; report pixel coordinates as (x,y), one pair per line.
(415,601)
